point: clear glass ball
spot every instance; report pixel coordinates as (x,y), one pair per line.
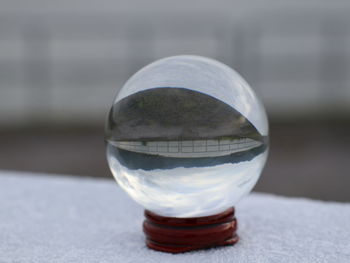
(186,137)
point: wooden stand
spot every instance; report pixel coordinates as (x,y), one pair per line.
(177,235)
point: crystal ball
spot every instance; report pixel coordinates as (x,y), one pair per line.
(186,137)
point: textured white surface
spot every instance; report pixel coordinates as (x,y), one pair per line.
(63,219)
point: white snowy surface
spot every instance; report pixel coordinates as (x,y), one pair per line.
(65,219)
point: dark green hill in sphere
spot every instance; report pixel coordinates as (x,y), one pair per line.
(176,114)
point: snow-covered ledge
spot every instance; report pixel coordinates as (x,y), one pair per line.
(66,219)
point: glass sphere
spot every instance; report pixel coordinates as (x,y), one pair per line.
(186,137)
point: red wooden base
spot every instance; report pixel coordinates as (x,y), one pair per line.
(177,235)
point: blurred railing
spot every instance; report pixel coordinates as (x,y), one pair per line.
(65,69)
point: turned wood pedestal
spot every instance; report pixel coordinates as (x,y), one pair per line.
(177,235)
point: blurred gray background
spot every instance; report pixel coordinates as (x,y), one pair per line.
(62,62)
